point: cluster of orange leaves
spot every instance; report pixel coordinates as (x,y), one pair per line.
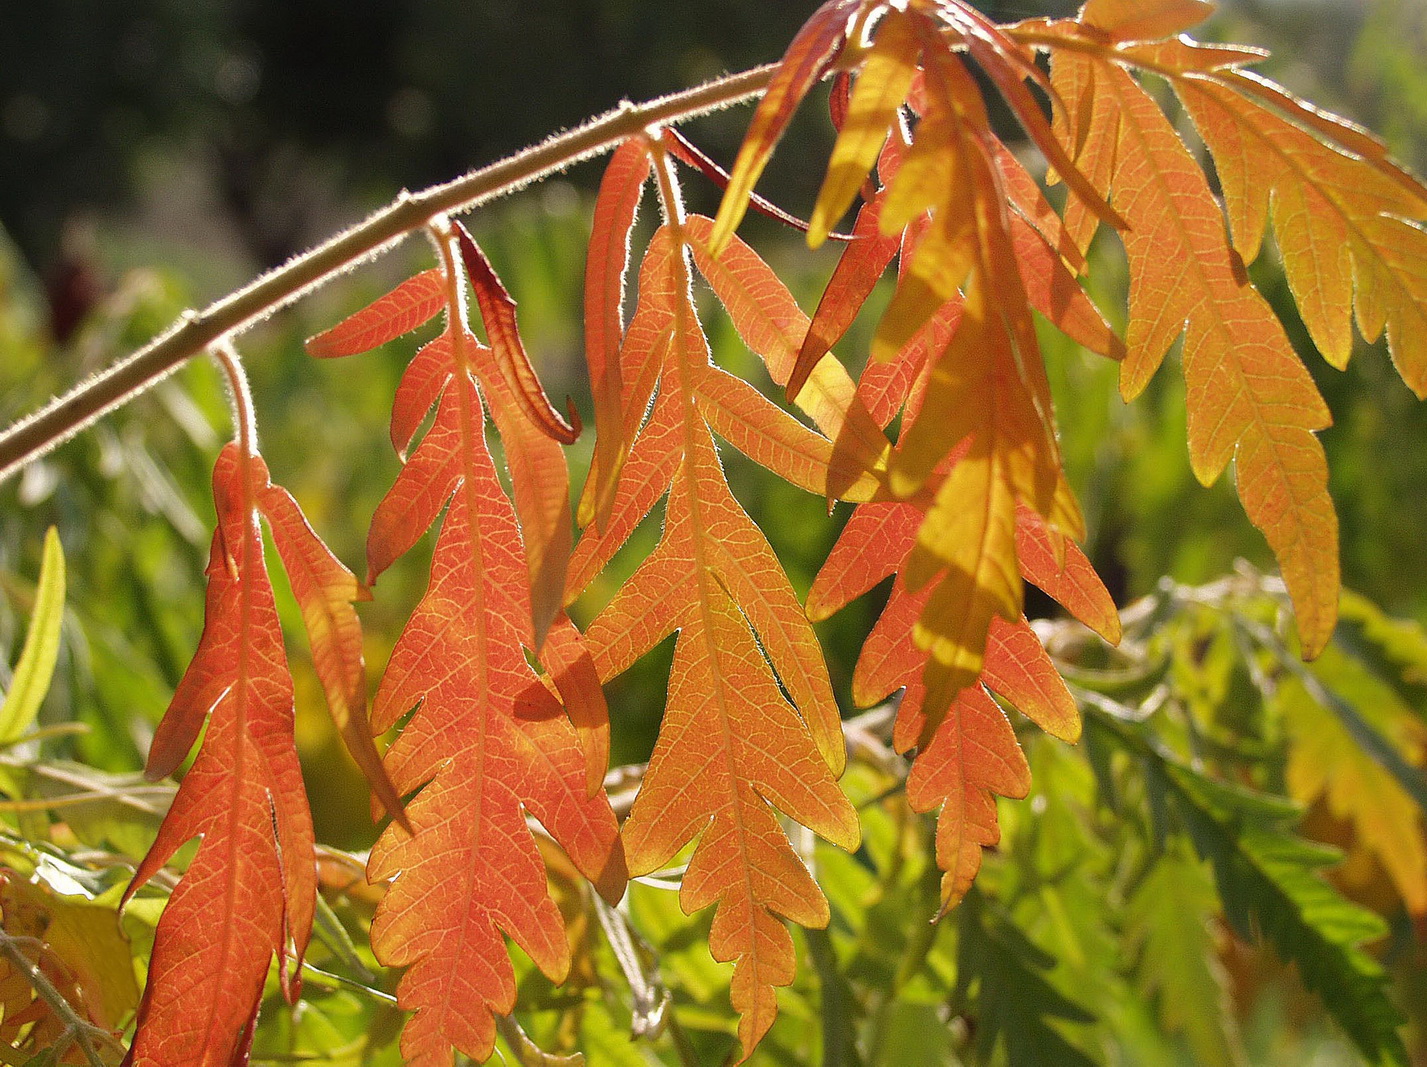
(503,692)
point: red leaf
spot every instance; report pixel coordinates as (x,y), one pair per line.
(250,891)
(487,737)
(413,303)
(498,314)
(325,590)
(606,265)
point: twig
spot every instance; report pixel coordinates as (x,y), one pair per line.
(195,332)
(78,1030)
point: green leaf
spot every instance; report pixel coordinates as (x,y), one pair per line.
(1016,1005)
(36,665)
(1269,885)
(1168,918)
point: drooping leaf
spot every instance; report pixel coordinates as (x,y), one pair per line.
(35,668)
(732,746)
(1351,234)
(1249,397)
(803,64)
(606,265)
(967,748)
(249,893)
(532,431)
(325,590)
(488,736)
(883,81)
(972,755)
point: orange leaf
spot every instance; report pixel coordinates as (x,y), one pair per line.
(1019,670)
(411,304)
(731,743)
(1133,20)
(1346,232)
(606,265)
(967,750)
(325,590)
(1055,565)
(972,755)
(250,891)
(487,737)
(862,264)
(806,60)
(1248,395)
(498,313)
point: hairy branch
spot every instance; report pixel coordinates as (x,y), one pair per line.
(195,332)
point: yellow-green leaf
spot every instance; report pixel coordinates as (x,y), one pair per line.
(35,668)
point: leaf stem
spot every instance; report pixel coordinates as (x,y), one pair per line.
(195,332)
(245,422)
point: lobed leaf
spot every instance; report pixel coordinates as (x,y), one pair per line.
(732,743)
(966,749)
(249,893)
(1350,235)
(325,590)
(1249,397)
(488,735)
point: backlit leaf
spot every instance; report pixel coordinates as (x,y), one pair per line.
(1351,235)
(249,893)
(732,747)
(35,667)
(606,265)
(488,737)
(803,64)
(1249,397)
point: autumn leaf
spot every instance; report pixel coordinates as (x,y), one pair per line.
(606,265)
(1130,20)
(806,60)
(967,750)
(1249,397)
(77,945)
(488,738)
(1350,230)
(325,590)
(733,747)
(249,893)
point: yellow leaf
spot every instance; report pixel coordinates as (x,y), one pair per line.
(882,84)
